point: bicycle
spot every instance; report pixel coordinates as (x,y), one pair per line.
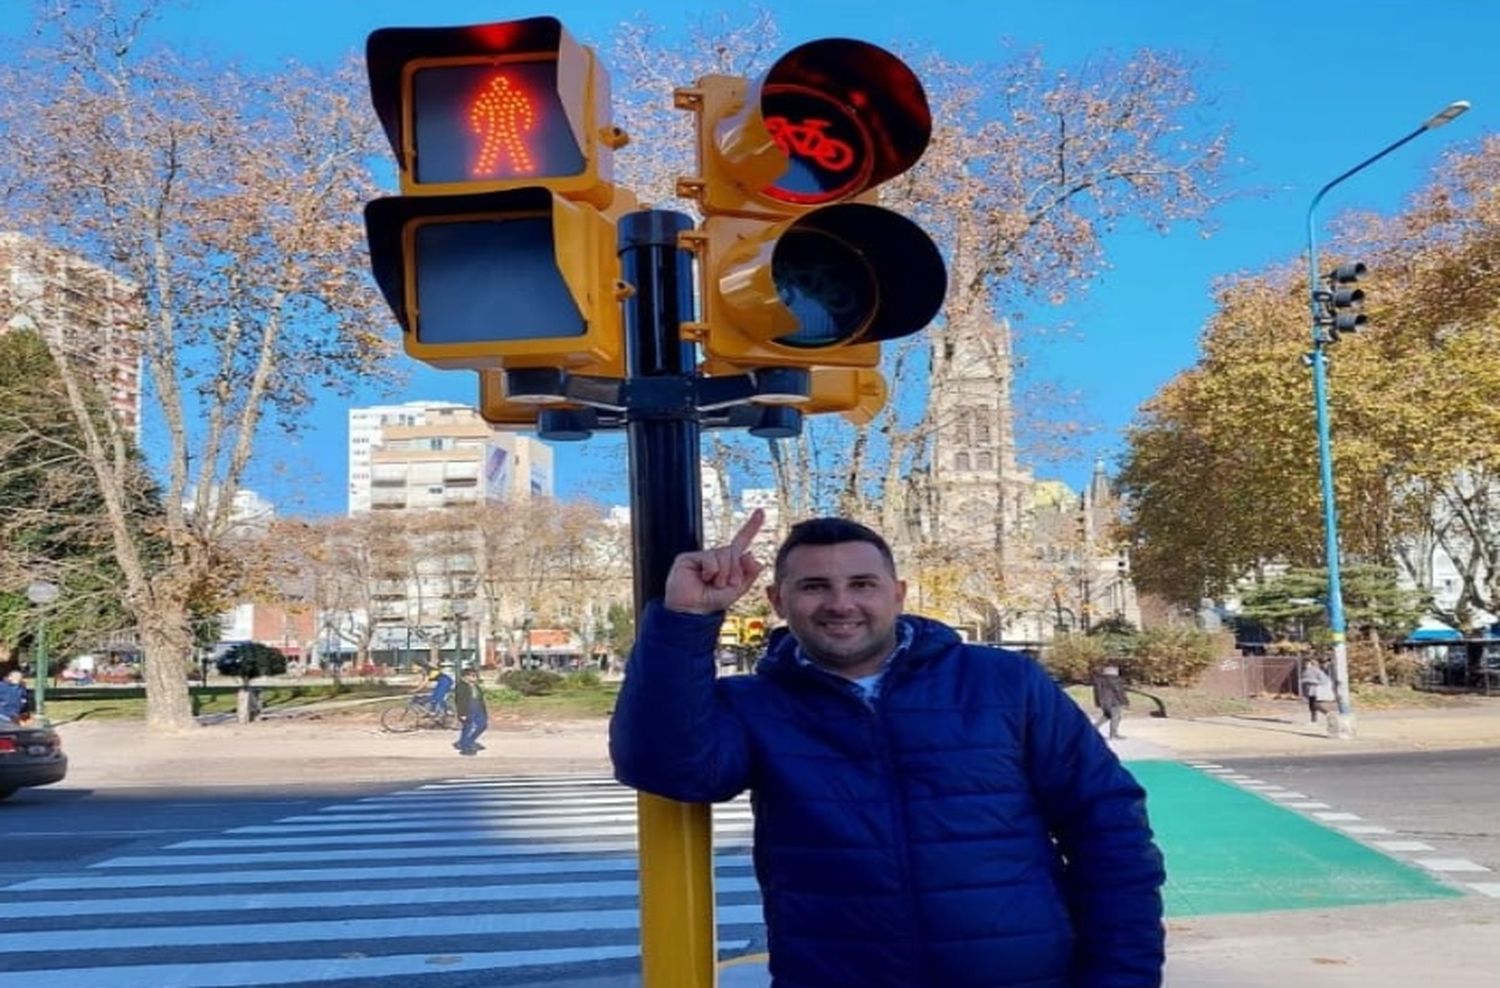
(417,713)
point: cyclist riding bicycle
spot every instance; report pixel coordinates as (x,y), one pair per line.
(440,683)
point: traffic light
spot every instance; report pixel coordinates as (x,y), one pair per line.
(1339,304)
(501,253)
(488,107)
(799,267)
(753,630)
(523,278)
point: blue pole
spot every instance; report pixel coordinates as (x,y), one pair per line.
(1320,340)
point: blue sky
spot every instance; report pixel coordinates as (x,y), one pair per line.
(1305,94)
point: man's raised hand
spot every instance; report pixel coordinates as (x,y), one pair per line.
(711,580)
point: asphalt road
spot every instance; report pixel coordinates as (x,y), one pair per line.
(50,828)
(1449,799)
(490,881)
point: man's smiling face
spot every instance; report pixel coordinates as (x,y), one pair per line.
(841,602)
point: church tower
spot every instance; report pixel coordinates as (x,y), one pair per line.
(980,496)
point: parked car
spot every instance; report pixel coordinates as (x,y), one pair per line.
(30,755)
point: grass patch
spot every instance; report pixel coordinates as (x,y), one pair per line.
(214,700)
(590,702)
(1374,697)
(1181,704)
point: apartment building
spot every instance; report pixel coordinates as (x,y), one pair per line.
(419,456)
(81,308)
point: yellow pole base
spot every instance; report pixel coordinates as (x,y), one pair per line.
(678,944)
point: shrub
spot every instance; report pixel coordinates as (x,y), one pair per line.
(1171,656)
(583,679)
(250,660)
(1072,658)
(501,694)
(531,682)
(1401,668)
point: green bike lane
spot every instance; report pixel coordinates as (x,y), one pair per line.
(1229,850)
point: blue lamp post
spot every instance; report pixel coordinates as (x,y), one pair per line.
(1319,360)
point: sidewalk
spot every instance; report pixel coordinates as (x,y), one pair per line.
(305,752)
(299,747)
(1288,732)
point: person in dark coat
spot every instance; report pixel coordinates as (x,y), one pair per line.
(468,700)
(15,701)
(1111,699)
(927,812)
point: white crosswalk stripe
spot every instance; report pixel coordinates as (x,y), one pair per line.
(510,880)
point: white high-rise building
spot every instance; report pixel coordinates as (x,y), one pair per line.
(429,454)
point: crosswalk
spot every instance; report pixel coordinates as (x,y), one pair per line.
(480,881)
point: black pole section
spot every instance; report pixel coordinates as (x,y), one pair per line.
(666,513)
(666,508)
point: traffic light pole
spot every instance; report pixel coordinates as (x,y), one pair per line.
(666,512)
(1319,362)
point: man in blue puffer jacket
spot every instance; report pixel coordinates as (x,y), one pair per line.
(927,813)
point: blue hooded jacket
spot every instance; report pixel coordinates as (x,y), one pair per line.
(966,829)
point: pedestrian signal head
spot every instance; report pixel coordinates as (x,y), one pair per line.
(489,107)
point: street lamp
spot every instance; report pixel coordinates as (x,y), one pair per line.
(41,593)
(1319,360)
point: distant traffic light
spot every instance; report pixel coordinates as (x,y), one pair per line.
(1339,305)
(799,268)
(502,252)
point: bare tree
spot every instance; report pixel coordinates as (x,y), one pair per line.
(232,201)
(1029,169)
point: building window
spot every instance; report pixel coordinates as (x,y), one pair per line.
(961,431)
(961,461)
(985,461)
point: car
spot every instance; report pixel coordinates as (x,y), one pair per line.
(30,755)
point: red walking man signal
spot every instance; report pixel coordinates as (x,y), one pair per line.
(501,115)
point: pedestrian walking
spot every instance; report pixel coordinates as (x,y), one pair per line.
(1111,699)
(468,698)
(927,812)
(1318,687)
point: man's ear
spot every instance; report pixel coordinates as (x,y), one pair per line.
(773,594)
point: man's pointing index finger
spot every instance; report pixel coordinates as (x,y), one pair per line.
(742,539)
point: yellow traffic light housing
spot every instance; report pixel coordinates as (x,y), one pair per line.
(829,121)
(823,289)
(496,410)
(522,278)
(854,392)
(490,107)
(799,268)
(857,395)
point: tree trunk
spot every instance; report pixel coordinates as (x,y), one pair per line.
(246,705)
(1380,670)
(166,644)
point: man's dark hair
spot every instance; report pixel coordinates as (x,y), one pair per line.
(830,531)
